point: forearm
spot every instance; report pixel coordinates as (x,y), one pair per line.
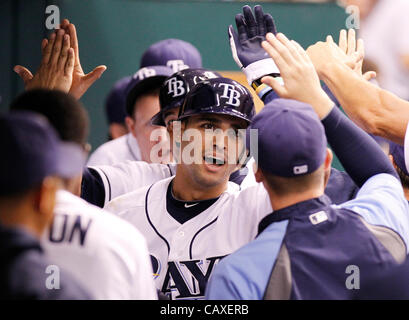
(377,111)
(359,154)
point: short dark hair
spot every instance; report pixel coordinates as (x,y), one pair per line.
(283,186)
(151,92)
(67,115)
(404,178)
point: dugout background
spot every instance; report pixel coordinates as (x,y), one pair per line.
(116,32)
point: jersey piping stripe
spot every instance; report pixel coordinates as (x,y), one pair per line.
(170,170)
(109,184)
(150,222)
(193,239)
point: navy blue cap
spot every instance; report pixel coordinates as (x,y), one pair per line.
(32,152)
(173,92)
(115,101)
(218,96)
(291,138)
(398,154)
(143,81)
(173,53)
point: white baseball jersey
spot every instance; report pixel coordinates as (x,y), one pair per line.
(107,255)
(115,151)
(184,254)
(128,176)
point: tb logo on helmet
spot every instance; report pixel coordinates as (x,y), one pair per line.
(175,87)
(144,73)
(176,65)
(229,93)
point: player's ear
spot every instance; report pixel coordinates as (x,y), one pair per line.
(327,165)
(130,124)
(45,198)
(257,173)
(328,159)
(392,161)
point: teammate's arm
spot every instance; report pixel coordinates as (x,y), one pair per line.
(301,83)
(377,111)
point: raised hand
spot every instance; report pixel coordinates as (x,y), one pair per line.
(301,81)
(349,52)
(81,81)
(246,43)
(57,65)
(352,48)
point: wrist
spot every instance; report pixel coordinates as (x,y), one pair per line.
(258,69)
(321,103)
(329,71)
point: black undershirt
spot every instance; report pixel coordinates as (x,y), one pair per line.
(183,211)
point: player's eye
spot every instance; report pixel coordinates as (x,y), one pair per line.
(207,125)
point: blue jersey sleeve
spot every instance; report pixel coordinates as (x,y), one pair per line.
(381,201)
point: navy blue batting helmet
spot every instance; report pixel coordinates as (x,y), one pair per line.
(174,90)
(218,96)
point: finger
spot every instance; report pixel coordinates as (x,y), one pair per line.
(94,75)
(48,49)
(369,75)
(275,55)
(270,25)
(360,48)
(351,42)
(301,51)
(57,47)
(343,43)
(64,24)
(74,41)
(286,49)
(250,22)
(275,85)
(69,65)
(43,45)
(261,25)
(330,39)
(62,60)
(23,73)
(241,27)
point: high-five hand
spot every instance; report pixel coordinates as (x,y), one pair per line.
(301,81)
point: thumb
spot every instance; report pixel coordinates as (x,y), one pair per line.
(94,75)
(369,75)
(24,73)
(275,85)
(234,45)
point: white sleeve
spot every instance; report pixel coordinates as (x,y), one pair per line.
(128,176)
